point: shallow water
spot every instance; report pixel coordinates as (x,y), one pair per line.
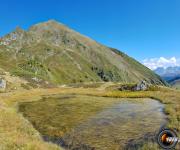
(114,127)
(95,123)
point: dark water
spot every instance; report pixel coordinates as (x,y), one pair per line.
(125,125)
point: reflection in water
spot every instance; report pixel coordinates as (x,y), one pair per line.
(115,126)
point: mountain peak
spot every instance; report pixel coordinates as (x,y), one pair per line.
(18,29)
(50,25)
(52,21)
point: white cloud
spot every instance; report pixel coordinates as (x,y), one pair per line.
(154,63)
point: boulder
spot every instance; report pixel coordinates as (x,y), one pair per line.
(2,84)
(142,86)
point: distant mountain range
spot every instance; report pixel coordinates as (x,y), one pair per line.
(170,74)
(50,52)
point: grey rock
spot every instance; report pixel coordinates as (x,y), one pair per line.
(142,86)
(2,84)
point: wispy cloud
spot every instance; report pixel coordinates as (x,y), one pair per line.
(154,63)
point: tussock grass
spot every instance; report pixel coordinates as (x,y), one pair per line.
(15,131)
(18,133)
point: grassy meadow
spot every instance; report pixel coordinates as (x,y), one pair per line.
(16,132)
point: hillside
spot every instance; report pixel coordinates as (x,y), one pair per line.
(51,53)
(175,82)
(171,75)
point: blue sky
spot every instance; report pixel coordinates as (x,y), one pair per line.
(144,29)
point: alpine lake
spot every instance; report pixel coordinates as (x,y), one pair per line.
(82,122)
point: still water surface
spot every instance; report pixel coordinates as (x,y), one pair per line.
(124,125)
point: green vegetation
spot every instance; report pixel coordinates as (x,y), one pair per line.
(52,52)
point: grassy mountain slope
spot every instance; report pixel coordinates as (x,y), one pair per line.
(175,82)
(52,52)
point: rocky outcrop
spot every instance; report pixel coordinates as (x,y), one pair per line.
(142,86)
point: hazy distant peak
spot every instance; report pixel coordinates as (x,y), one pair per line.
(168,72)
